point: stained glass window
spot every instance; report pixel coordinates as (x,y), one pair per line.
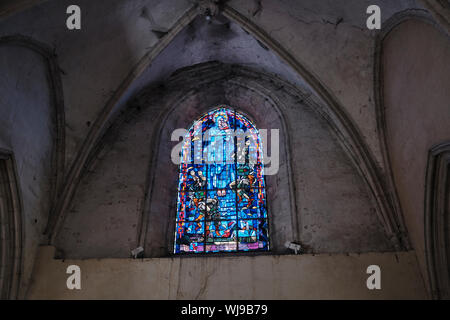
(221,203)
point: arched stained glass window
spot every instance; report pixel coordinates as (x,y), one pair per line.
(221,193)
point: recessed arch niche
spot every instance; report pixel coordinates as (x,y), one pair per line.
(318,197)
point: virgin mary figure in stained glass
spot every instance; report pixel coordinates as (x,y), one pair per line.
(221,203)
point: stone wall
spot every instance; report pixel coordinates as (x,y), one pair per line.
(416,68)
(27,131)
(121,51)
(262,277)
(128,195)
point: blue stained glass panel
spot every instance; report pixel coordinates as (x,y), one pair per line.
(221,204)
(253,235)
(189,206)
(192,177)
(190,236)
(251,203)
(221,176)
(221,235)
(249,176)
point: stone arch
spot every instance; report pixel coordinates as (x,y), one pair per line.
(10,228)
(437,220)
(149,121)
(388,27)
(57,99)
(410,211)
(45,124)
(173,108)
(322,98)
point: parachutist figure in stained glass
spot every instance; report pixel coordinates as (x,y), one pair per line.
(197,189)
(211,209)
(197,194)
(199,181)
(243,185)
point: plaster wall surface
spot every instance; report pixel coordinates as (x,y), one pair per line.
(259,277)
(328,37)
(416,68)
(90,74)
(26,130)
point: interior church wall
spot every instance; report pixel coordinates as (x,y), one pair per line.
(331,41)
(90,74)
(416,86)
(337,49)
(133,180)
(27,131)
(231,278)
(327,37)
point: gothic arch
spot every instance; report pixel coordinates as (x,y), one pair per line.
(57,99)
(54,112)
(200,87)
(10,228)
(437,220)
(440,11)
(211,73)
(431,230)
(388,27)
(325,103)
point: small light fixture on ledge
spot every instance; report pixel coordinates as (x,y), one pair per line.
(135,252)
(293,246)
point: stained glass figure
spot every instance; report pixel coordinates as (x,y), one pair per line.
(221,203)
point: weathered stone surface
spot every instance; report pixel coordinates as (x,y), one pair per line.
(263,277)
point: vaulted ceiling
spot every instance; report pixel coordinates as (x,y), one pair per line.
(321,46)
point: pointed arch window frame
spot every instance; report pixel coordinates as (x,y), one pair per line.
(262,220)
